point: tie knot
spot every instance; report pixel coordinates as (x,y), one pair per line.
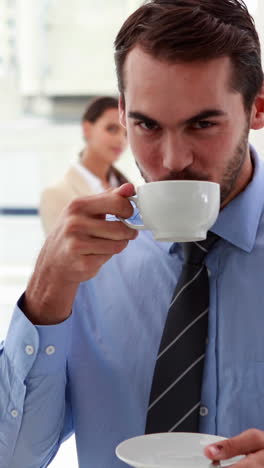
(195,252)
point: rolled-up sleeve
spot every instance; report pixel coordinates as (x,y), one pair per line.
(35,410)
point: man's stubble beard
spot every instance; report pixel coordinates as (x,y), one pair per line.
(231,174)
(234,167)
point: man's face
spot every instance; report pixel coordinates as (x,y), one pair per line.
(184,121)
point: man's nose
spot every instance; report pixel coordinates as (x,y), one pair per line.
(177,153)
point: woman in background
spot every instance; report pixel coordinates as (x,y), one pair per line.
(94,172)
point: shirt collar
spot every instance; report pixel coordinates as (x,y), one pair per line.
(238,222)
(91,178)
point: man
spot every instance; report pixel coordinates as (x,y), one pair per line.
(81,350)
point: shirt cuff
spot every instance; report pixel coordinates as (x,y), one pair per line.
(40,350)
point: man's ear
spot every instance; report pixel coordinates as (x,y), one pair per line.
(122,111)
(257,113)
(87,129)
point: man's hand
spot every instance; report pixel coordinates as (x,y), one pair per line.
(80,244)
(250,443)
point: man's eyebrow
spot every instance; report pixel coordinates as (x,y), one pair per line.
(205,114)
(140,116)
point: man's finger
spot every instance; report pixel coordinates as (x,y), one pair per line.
(99,228)
(97,246)
(125,190)
(102,203)
(245,443)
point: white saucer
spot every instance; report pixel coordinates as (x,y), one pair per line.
(169,450)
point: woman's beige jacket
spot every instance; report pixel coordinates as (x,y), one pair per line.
(56,197)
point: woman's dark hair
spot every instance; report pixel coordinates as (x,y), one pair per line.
(195,30)
(98,106)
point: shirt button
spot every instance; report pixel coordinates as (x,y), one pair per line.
(50,350)
(29,350)
(14,413)
(203,411)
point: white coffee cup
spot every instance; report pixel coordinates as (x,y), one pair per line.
(177,210)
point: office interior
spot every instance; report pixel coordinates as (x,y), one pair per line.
(54,57)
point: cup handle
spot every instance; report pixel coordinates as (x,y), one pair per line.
(127,223)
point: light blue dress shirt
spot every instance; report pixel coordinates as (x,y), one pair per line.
(92,373)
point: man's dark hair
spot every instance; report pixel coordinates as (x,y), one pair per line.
(195,30)
(98,106)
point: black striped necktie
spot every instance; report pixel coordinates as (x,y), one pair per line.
(176,387)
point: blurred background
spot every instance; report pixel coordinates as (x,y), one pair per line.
(55,55)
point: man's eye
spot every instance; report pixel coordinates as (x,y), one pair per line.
(147,125)
(203,124)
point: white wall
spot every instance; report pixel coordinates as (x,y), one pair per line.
(66,46)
